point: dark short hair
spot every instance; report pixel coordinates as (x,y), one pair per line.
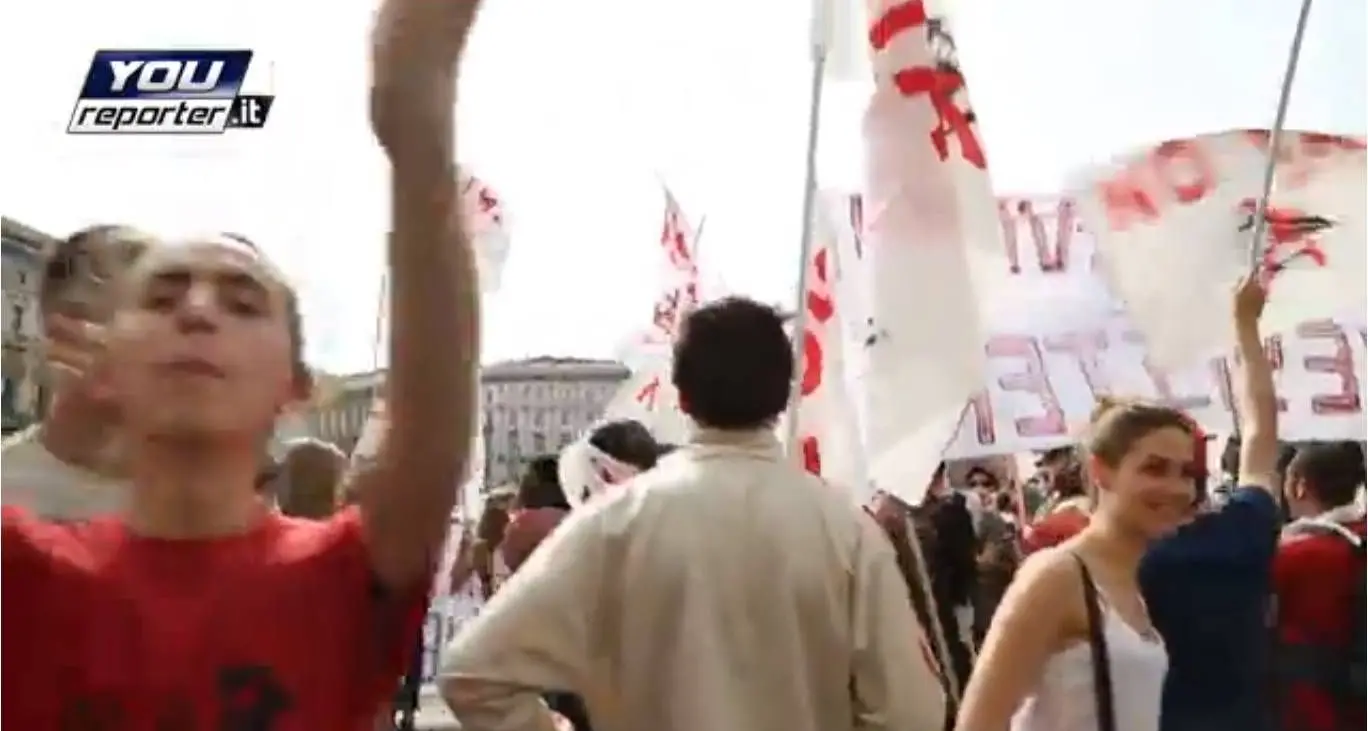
(626,440)
(1331,471)
(1056,456)
(540,485)
(733,364)
(981,470)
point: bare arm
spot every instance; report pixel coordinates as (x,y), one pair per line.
(1258,399)
(407,496)
(1030,624)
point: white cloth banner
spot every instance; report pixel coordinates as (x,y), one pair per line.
(483,211)
(928,213)
(827,432)
(1174,229)
(1058,339)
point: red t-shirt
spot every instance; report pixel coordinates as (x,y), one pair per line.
(1313,575)
(281,629)
(1054,529)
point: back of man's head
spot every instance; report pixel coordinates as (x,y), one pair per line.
(1331,472)
(309,482)
(733,365)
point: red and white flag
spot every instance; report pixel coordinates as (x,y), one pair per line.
(1174,233)
(1315,249)
(647,395)
(680,278)
(484,215)
(827,429)
(928,209)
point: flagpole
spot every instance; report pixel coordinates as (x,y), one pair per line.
(379,322)
(1256,247)
(819,58)
(939,636)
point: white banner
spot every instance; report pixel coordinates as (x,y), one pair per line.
(1058,339)
(1042,387)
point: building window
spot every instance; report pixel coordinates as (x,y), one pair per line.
(538,443)
(9,398)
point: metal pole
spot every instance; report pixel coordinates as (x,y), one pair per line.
(938,636)
(1256,246)
(380,311)
(800,316)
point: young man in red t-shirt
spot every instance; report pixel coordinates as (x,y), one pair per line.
(1318,575)
(199,609)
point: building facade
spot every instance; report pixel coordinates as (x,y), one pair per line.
(530,408)
(24,394)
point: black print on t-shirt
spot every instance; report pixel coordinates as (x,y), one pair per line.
(250,698)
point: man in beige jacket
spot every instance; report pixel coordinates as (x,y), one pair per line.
(66,468)
(724,590)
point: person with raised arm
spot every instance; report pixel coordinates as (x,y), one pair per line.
(1208,585)
(200,608)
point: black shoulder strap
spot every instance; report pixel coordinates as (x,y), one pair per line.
(1097,641)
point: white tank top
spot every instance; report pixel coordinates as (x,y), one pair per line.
(1063,700)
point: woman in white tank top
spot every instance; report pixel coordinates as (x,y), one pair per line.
(1036,669)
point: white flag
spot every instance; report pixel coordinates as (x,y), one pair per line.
(839,30)
(928,204)
(484,215)
(1173,227)
(827,430)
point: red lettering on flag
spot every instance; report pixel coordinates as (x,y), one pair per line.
(812,455)
(939,83)
(1349,399)
(820,308)
(1293,235)
(1034,380)
(649,393)
(1178,171)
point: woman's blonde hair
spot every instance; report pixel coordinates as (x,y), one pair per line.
(1116,424)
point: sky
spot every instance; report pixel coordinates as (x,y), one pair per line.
(576,111)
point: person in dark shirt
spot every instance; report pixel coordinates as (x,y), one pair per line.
(952,561)
(540,506)
(1318,576)
(1207,585)
(540,486)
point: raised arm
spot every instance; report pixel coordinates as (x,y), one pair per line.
(407,495)
(1258,400)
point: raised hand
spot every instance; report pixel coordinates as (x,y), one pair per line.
(416,45)
(1251,294)
(73,347)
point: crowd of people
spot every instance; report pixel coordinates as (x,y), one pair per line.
(160,571)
